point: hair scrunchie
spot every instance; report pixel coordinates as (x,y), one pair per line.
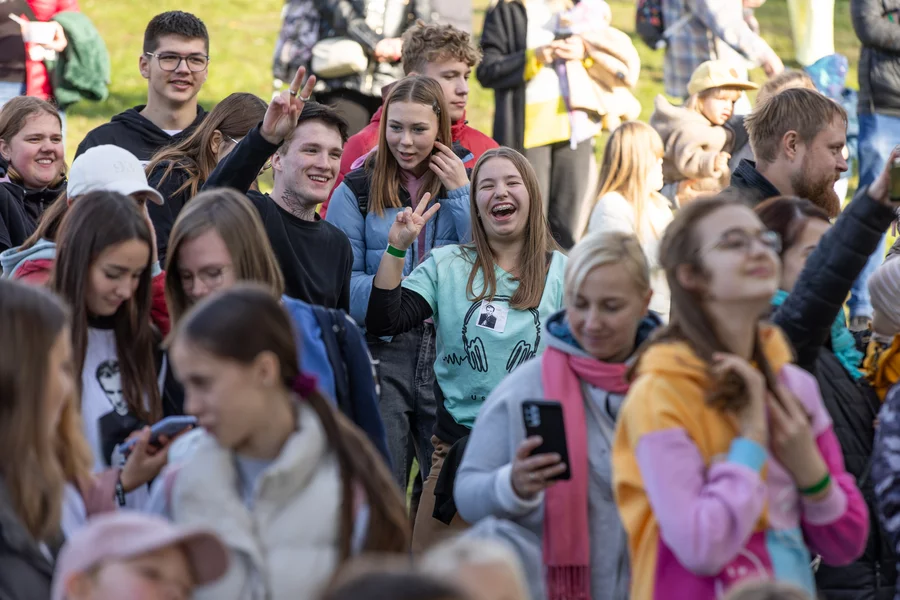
(305,384)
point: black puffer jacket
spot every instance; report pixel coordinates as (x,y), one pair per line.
(21,209)
(879,61)
(806,317)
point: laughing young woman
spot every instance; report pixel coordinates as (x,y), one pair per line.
(489,301)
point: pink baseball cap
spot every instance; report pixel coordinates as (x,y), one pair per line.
(126,534)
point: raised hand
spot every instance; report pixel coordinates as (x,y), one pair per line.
(409,223)
(285,108)
(752,418)
(793,440)
(448,167)
(880,189)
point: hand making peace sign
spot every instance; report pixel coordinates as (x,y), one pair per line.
(409,223)
(285,108)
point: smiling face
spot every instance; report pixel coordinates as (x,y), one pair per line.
(37,151)
(411,131)
(307,169)
(114,276)
(738,266)
(453,75)
(181,86)
(502,200)
(718,105)
(229,399)
(605,312)
(205,265)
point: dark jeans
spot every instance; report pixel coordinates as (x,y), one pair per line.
(406,368)
(563,176)
(356,108)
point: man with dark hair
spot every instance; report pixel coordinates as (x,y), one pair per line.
(174,61)
(314,255)
(798,138)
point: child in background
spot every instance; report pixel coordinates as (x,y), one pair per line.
(697,144)
(133,555)
(882,363)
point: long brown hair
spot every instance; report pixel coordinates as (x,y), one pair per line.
(239,324)
(384,193)
(539,243)
(96,222)
(688,320)
(14,116)
(233,117)
(237,222)
(30,321)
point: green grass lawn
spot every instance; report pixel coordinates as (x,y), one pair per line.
(243,34)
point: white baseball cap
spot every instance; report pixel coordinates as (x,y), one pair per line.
(109,168)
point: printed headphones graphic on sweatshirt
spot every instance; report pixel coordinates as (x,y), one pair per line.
(476,355)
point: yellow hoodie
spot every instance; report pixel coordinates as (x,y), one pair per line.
(882,365)
(696,499)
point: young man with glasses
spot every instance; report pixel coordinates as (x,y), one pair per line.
(175,62)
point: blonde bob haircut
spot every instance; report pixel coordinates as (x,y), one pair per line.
(603,248)
(230,214)
(446,559)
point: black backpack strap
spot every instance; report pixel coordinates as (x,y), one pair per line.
(359,182)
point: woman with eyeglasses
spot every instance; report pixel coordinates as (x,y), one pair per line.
(815,252)
(180,170)
(725,461)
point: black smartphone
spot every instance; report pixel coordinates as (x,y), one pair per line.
(545,418)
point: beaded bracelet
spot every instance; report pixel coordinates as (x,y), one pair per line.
(815,489)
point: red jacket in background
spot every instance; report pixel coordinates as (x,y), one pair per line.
(37,78)
(37,272)
(363,142)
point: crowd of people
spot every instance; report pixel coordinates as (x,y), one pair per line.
(625,379)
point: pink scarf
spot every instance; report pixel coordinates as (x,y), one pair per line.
(567,543)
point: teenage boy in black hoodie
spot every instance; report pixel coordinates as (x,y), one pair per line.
(174,62)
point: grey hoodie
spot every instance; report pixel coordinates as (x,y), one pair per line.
(483,488)
(14,258)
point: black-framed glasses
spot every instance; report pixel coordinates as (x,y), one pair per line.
(170,62)
(738,240)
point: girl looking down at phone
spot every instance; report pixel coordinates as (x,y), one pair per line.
(726,466)
(296,488)
(102,270)
(414,157)
(574,523)
(490,301)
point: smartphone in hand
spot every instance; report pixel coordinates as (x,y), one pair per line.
(545,418)
(169,427)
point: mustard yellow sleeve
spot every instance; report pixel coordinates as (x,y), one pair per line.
(532,64)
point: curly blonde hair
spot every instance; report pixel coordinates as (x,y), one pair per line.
(424,43)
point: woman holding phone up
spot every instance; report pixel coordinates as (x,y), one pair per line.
(725,462)
(490,301)
(607,292)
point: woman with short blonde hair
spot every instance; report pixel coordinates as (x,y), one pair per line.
(589,347)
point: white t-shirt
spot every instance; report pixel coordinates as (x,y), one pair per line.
(104,411)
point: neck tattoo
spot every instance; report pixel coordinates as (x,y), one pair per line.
(297,206)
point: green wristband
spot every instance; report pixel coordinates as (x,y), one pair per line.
(396,252)
(815,489)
